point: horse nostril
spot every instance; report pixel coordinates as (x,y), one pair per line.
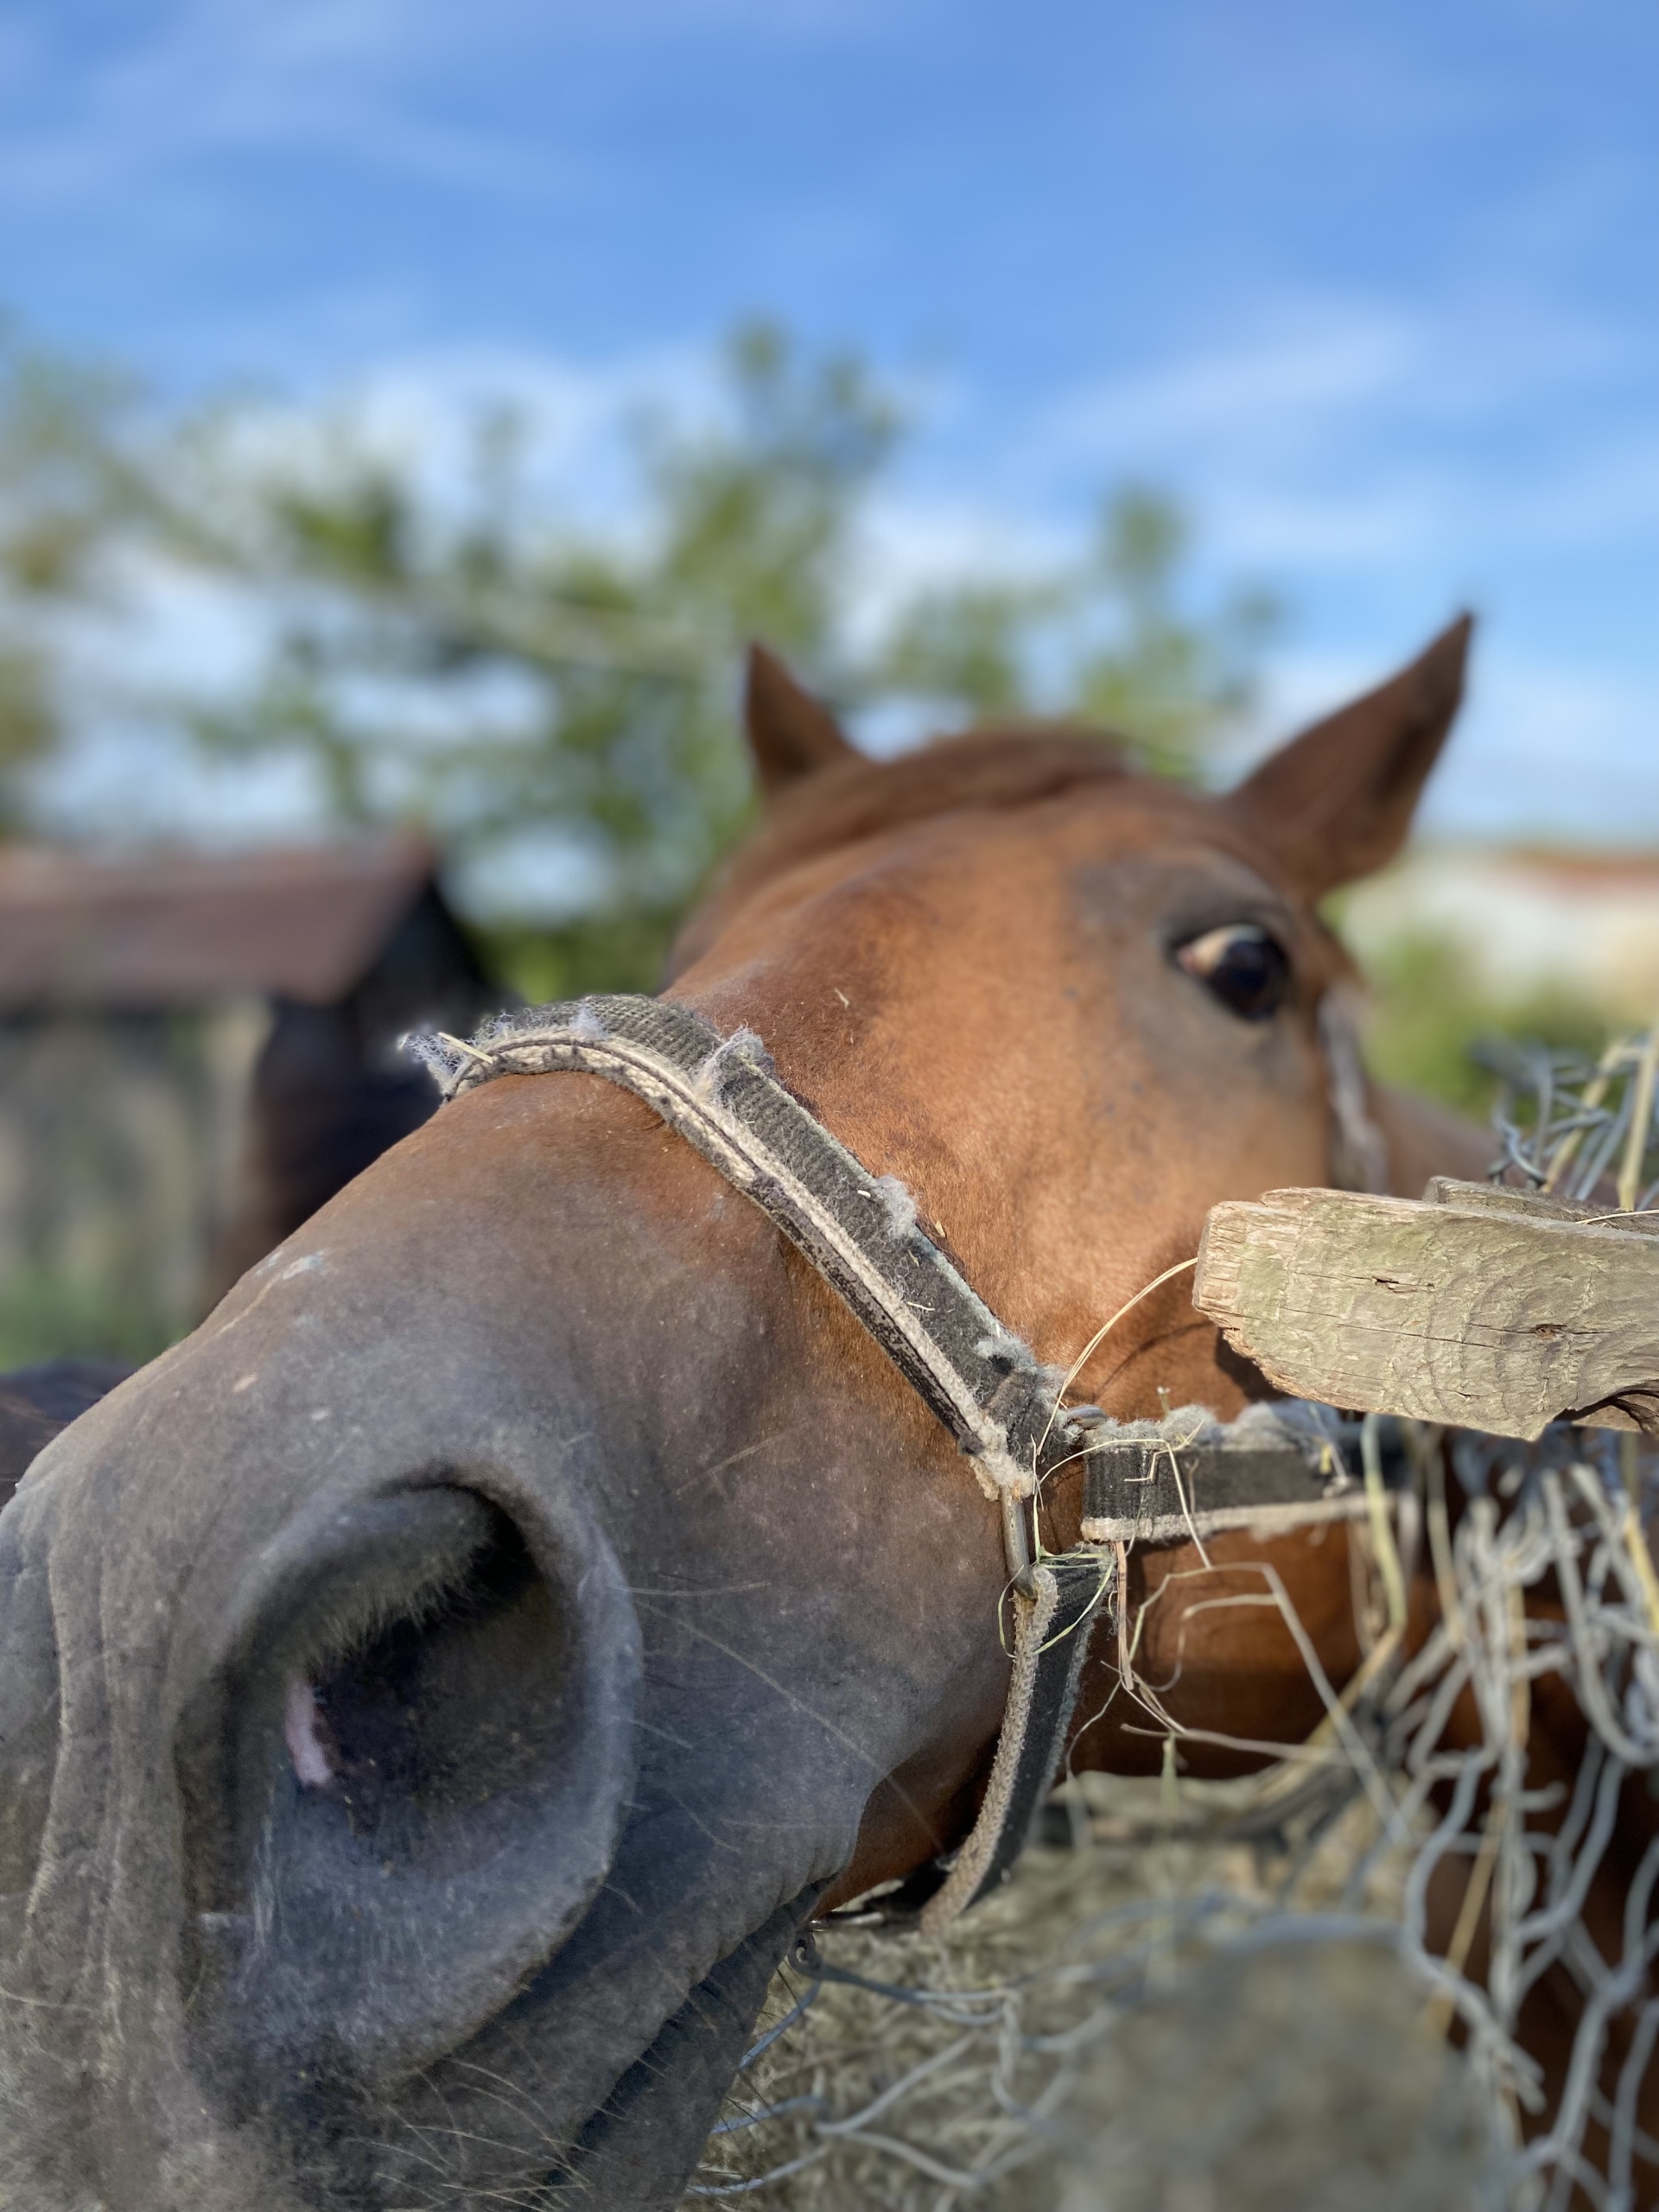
(458,1697)
(404,1776)
(417,1671)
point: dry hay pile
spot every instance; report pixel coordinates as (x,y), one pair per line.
(1085,2046)
(1220,1997)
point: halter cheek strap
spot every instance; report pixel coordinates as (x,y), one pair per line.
(1173,1482)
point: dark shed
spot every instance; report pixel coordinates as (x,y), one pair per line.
(196,1052)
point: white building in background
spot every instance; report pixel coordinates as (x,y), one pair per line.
(1525,919)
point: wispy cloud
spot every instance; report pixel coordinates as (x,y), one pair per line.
(206,77)
(1363,435)
(367,81)
(1285,386)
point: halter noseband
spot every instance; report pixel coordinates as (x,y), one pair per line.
(1144,1482)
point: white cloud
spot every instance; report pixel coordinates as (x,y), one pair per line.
(913,540)
(577,420)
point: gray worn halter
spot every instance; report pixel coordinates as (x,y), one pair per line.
(1170,1482)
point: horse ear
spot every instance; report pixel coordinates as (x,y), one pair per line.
(790,734)
(1336,802)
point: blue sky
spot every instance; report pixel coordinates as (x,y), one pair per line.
(1372,288)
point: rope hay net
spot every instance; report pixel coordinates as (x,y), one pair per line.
(1568,1124)
(1218,1997)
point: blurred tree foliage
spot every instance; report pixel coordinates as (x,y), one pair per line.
(63,496)
(460,658)
(1135,659)
(1428,1009)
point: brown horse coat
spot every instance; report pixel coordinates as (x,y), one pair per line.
(433,1694)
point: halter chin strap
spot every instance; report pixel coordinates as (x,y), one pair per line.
(1170,1482)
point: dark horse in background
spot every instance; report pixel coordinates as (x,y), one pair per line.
(434,1695)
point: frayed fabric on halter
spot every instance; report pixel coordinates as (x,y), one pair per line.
(1171,1481)
(861,1231)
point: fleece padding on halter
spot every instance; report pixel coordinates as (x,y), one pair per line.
(1166,1482)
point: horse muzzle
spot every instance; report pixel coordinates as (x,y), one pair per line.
(388,1784)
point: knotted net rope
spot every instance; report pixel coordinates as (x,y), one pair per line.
(1569,1124)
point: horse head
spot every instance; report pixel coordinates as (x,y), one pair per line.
(434,1695)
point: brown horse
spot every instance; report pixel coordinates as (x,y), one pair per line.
(432,1696)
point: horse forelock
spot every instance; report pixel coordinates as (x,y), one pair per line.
(1000,764)
(993,767)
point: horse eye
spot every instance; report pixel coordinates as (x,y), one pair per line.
(1247,970)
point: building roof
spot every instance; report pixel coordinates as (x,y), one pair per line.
(176,928)
(1612,873)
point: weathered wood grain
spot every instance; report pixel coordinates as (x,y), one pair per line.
(1481,1308)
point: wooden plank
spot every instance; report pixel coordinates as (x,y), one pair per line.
(1482,1308)
(1498,1197)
